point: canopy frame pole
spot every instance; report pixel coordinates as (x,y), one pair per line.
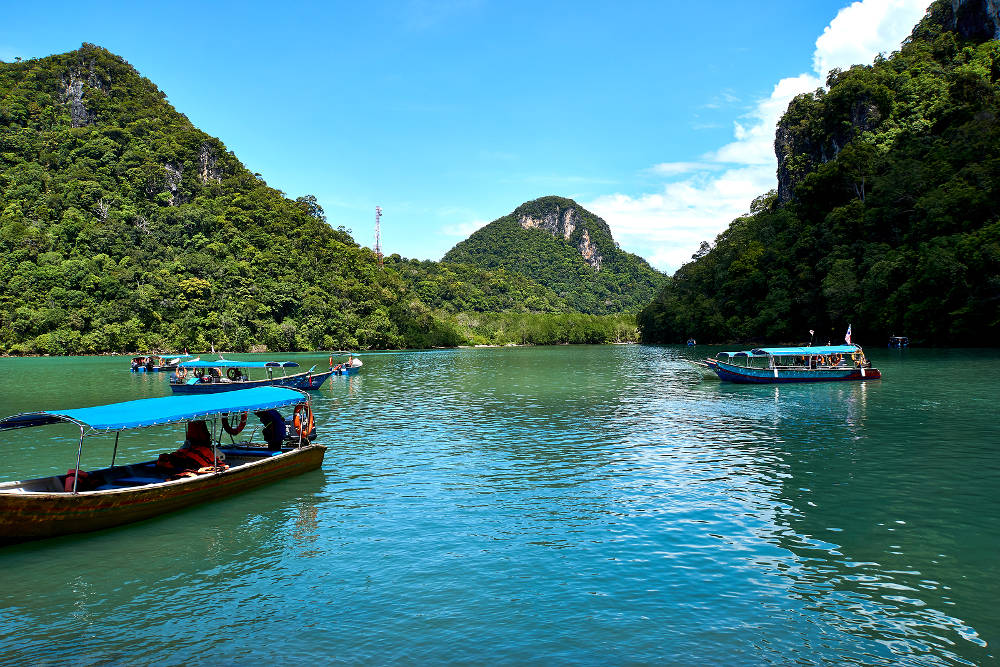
(215,444)
(79,454)
(115,452)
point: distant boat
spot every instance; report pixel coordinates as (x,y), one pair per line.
(692,342)
(349,367)
(769,365)
(151,363)
(211,377)
(899,341)
(81,501)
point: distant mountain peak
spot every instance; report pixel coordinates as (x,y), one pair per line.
(562,218)
(563,246)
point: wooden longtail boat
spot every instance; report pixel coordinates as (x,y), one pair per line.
(212,377)
(84,501)
(770,365)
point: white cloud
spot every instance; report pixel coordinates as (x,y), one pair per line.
(864,29)
(701,197)
(463,229)
(675,168)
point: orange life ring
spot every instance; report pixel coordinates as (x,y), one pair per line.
(182,373)
(234,430)
(297,419)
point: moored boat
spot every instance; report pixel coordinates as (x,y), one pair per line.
(899,341)
(770,365)
(203,469)
(211,377)
(152,363)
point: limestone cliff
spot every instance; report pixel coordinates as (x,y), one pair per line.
(561,245)
(817,126)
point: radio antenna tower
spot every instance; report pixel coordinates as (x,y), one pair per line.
(378,236)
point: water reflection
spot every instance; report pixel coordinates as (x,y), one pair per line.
(571,502)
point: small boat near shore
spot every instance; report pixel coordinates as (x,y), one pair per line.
(770,365)
(211,377)
(203,469)
(154,363)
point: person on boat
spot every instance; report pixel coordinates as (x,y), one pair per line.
(274,428)
(195,453)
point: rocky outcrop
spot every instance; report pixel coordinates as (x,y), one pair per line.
(174,175)
(80,75)
(558,222)
(975,19)
(563,222)
(800,147)
(207,164)
(588,250)
(799,151)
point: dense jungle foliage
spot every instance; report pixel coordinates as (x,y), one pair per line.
(892,224)
(125,228)
(553,256)
(545,328)
(456,288)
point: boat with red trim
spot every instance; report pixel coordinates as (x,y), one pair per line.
(203,469)
(211,377)
(771,365)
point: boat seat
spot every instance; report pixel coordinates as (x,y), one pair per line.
(248,451)
(134,481)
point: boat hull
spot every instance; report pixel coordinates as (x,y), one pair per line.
(744,375)
(298,381)
(34,516)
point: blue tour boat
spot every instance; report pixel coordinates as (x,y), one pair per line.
(769,365)
(205,468)
(211,377)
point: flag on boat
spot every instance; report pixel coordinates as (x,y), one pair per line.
(847,336)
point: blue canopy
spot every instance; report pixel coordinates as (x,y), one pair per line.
(165,356)
(806,351)
(793,351)
(235,363)
(165,410)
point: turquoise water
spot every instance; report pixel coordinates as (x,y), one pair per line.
(585,505)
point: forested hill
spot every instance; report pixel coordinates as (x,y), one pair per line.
(887,212)
(124,227)
(567,249)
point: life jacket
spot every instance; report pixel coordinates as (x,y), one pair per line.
(192,456)
(70,476)
(200,454)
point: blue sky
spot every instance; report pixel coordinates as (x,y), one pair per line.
(658,116)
